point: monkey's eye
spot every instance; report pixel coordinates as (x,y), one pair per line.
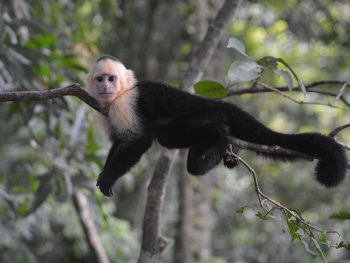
(111,78)
(99,79)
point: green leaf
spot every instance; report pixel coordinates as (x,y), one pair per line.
(261,216)
(272,63)
(323,238)
(33,182)
(341,215)
(286,76)
(23,208)
(44,70)
(268,62)
(319,250)
(293,229)
(210,89)
(242,70)
(241,210)
(41,41)
(300,82)
(237,45)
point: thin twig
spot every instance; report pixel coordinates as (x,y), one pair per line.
(301,102)
(338,129)
(93,238)
(341,92)
(260,194)
(256,183)
(257,87)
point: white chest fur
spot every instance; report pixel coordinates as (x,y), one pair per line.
(122,113)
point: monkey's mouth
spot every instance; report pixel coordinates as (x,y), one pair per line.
(105,95)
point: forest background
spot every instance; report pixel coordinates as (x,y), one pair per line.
(52,151)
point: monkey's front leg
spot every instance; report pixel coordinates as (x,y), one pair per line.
(121,157)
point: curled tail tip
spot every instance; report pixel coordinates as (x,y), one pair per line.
(331,173)
(333,164)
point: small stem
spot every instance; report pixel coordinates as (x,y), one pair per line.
(260,194)
(301,102)
(341,92)
(257,189)
(338,129)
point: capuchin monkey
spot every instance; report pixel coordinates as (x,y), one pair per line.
(143,111)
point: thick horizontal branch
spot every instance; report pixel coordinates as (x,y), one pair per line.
(75,90)
(267,149)
(70,90)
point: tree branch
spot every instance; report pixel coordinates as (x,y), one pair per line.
(70,90)
(312,87)
(267,149)
(91,234)
(153,243)
(208,45)
(280,150)
(338,129)
(260,194)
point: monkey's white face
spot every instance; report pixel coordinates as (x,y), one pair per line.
(105,85)
(108,79)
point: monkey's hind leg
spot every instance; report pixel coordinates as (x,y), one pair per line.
(205,133)
(230,158)
(202,158)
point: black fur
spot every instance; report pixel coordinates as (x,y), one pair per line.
(181,120)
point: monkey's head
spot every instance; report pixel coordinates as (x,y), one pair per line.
(109,78)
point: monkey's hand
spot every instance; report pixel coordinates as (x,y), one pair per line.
(104,185)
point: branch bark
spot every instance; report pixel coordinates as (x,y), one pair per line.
(208,45)
(153,243)
(267,149)
(91,234)
(70,90)
(75,90)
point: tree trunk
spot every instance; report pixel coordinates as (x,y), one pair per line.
(183,242)
(203,207)
(152,241)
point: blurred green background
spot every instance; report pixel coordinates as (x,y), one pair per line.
(52,149)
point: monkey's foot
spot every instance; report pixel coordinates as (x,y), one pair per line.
(230,160)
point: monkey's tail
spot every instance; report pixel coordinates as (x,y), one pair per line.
(332,162)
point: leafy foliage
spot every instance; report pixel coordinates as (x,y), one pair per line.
(50,148)
(210,89)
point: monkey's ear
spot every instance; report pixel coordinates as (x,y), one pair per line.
(130,78)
